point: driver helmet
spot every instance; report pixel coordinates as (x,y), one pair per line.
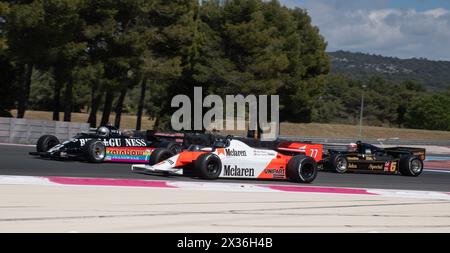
(359,146)
(352,147)
(103,131)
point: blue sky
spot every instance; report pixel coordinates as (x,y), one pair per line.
(401,28)
(419,5)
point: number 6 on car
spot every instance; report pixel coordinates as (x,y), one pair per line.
(234,157)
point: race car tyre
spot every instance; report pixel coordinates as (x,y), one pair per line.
(170,145)
(95,151)
(338,163)
(410,166)
(174,147)
(302,169)
(46,142)
(159,155)
(208,166)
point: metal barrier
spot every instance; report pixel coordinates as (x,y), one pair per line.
(27,131)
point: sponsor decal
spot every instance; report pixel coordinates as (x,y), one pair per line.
(112,142)
(352,166)
(83,141)
(303,149)
(117,142)
(376,166)
(238,172)
(220,151)
(275,172)
(127,154)
(233,152)
(352,158)
(387,166)
(263,153)
(135,143)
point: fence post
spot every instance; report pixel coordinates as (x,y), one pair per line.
(11,129)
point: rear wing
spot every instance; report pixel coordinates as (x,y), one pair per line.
(313,150)
(397,151)
(152,135)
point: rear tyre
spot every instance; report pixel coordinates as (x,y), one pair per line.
(95,151)
(302,169)
(411,166)
(208,166)
(159,155)
(46,142)
(338,163)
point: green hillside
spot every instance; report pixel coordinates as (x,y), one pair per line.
(435,75)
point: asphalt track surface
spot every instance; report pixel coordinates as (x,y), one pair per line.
(14,160)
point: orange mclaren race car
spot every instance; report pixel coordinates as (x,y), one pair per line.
(234,157)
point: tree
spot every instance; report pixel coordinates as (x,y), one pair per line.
(429,112)
(8,85)
(171,53)
(119,49)
(406,91)
(4,10)
(267,49)
(159,72)
(99,27)
(96,82)
(45,34)
(308,61)
(63,26)
(23,29)
(128,45)
(8,71)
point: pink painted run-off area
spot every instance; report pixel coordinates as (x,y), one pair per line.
(165,184)
(318,189)
(108,182)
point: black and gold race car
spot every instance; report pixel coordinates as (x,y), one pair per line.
(365,157)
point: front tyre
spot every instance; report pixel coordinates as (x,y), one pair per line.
(208,166)
(95,151)
(174,147)
(46,142)
(302,169)
(159,155)
(411,166)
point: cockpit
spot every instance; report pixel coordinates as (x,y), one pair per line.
(366,148)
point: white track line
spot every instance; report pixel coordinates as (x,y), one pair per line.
(439,171)
(17,145)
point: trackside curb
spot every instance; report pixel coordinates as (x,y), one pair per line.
(217,186)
